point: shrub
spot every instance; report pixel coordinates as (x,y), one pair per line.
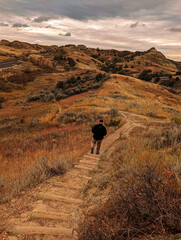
(2,99)
(35,173)
(178,73)
(166,138)
(59,58)
(72,80)
(71,62)
(145,75)
(176,120)
(157,79)
(113,123)
(99,77)
(145,201)
(60,84)
(170,77)
(145,195)
(177,79)
(113,112)
(70,117)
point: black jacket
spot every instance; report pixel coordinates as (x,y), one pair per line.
(99,131)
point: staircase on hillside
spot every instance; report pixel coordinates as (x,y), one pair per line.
(58,207)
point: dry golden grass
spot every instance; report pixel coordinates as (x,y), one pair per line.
(26,127)
(128,94)
(56,147)
(15,52)
(136,190)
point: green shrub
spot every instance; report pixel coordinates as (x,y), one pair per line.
(176,120)
(178,73)
(145,75)
(113,123)
(71,62)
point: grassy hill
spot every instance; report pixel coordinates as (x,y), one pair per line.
(49,102)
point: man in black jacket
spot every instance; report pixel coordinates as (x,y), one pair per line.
(99,131)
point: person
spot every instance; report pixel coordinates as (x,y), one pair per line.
(99,131)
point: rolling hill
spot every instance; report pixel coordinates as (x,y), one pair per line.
(51,96)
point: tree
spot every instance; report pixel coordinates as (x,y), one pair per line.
(71,62)
(145,75)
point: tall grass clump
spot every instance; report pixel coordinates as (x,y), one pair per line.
(36,173)
(26,162)
(145,190)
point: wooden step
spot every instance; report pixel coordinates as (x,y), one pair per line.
(82,167)
(49,196)
(66,185)
(89,155)
(90,159)
(79,175)
(49,215)
(29,230)
(88,162)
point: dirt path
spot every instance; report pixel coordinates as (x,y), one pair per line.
(57,204)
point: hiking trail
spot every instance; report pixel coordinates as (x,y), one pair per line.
(57,204)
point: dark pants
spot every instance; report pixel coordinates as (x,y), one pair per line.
(94,141)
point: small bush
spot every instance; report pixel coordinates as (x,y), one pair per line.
(113,112)
(71,62)
(176,120)
(70,117)
(168,138)
(36,173)
(152,115)
(145,75)
(178,73)
(113,123)
(60,84)
(2,99)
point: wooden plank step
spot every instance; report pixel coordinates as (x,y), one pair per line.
(49,215)
(90,159)
(89,155)
(66,185)
(79,175)
(54,197)
(82,167)
(88,162)
(29,230)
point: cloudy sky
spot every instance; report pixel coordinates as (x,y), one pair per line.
(119,24)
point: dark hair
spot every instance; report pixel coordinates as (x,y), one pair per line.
(101,121)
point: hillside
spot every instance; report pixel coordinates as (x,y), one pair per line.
(51,96)
(150,65)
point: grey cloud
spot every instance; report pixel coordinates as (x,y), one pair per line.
(19,25)
(175,29)
(41,19)
(68,34)
(137,24)
(51,27)
(4,24)
(134,25)
(83,9)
